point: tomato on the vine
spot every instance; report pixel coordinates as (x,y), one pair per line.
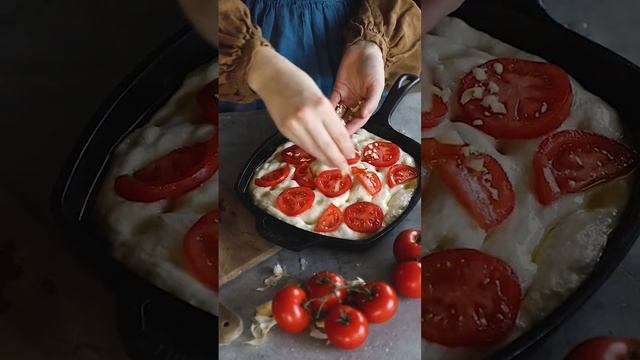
(288,311)
(377,300)
(322,292)
(346,327)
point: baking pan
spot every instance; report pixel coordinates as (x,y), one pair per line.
(526,25)
(153,323)
(294,238)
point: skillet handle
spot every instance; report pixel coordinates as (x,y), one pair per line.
(398,90)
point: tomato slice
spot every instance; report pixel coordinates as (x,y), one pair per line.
(573,161)
(369,180)
(354,160)
(381,153)
(433,117)
(304,176)
(606,348)
(207,100)
(274,177)
(468,298)
(332,183)
(172,175)
(294,201)
(295,155)
(364,217)
(529,98)
(477,180)
(200,249)
(400,174)
(330,219)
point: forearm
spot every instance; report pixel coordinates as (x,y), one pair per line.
(203,14)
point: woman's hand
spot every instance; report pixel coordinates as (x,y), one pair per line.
(299,109)
(435,10)
(360,79)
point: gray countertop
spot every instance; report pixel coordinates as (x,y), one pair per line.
(242,134)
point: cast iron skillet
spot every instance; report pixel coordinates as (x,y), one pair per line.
(526,25)
(294,238)
(153,323)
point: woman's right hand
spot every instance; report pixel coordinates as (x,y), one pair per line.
(299,109)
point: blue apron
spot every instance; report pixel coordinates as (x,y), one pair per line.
(307,32)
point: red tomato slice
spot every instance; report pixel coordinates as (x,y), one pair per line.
(172,175)
(330,219)
(304,176)
(332,183)
(294,201)
(400,174)
(381,153)
(369,180)
(364,217)
(485,192)
(354,160)
(468,298)
(295,155)
(207,100)
(433,117)
(606,348)
(200,249)
(573,161)
(536,97)
(274,177)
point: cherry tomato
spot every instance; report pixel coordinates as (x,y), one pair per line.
(295,155)
(406,278)
(332,183)
(304,176)
(296,200)
(346,327)
(288,311)
(364,217)
(324,284)
(535,98)
(433,117)
(573,161)
(407,245)
(200,249)
(381,153)
(354,160)
(606,348)
(377,300)
(400,174)
(369,180)
(477,180)
(172,175)
(330,219)
(469,298)
(274,177)
(207,100)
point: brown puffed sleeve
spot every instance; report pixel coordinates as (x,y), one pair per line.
(393,25)
(238,39)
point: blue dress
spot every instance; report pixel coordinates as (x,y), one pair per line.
(307,32)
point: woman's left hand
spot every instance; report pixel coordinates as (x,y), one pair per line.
(360,79)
